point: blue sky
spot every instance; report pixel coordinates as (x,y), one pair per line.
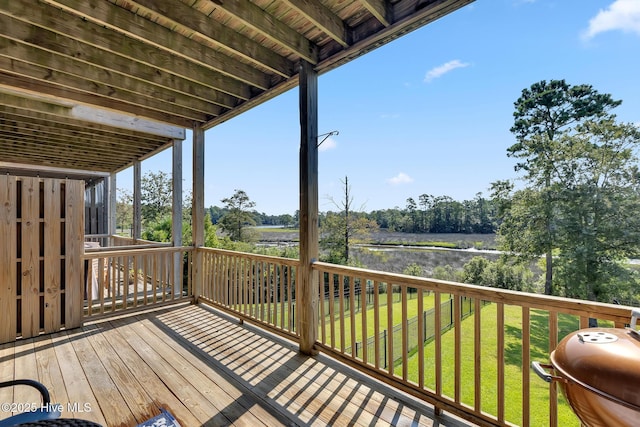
(428,113)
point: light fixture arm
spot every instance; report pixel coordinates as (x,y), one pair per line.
(326,135)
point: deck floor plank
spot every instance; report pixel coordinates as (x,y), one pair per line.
(159,393)
(111,402)
(49,372)
(7,370)
(82,402)
(237,392)
(299,394)
(25,367)
(129,386)
(206,369)
(192,397)
(217,391)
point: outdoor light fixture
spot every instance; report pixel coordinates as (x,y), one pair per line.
(326,135)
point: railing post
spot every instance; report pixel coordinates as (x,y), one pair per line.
(197,210)
(176,210)
(137,200)
(308,297)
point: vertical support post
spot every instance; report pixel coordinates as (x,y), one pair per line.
(113,205)
(104,214)
(176,224)
(197,210)
(308,298)
(137,200)
(93,210)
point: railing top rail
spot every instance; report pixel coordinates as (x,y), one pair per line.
(256,257)
(145,242)
(132,251)
(616,313)
(96,236)
(126,247)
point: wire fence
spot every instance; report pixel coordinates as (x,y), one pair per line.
(413,338)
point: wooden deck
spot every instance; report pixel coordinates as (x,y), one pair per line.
(204,368)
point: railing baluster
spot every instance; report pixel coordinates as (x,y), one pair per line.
(477,349)
(163,275)
(405,326)
(154,277)
(114,283)
(341,313)
(363,312)
(526,362)
(376,322)
(136,275)
(291,284)
(500,360)
(438,348)
(457,325)
(421,340)
(553,391)
(269,293)
(352,314)
(390,328)
(332,309)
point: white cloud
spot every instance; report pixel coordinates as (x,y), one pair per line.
(328,144)
(443,69)
(401,178)
(623,15)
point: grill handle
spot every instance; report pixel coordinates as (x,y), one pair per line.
(539,368)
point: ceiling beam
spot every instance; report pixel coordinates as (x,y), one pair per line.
(248,13)
(33,145)
(380,9)
(35,86)
(86,83)
(112,118)
(323,18)
(22,169)
(12,123)
(95,121)
(114,17)
(93,44)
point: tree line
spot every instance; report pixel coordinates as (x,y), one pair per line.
(440,214)
(432,214)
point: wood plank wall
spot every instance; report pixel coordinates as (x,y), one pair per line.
(41,271)
(95,211)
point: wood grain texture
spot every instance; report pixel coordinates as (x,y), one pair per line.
(30,259)
(52,256)
(74,247)
(205,369)
(8,258)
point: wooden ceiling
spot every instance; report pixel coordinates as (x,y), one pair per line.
(166,65)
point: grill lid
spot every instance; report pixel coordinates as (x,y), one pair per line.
(604,359)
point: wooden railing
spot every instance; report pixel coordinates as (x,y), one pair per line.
(258,288)
(114,242)
(465,349)
(124,279)
(475,363)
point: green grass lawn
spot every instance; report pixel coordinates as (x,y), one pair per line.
(513,359)
(539,350)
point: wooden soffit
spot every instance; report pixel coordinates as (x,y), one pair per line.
(175,63)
